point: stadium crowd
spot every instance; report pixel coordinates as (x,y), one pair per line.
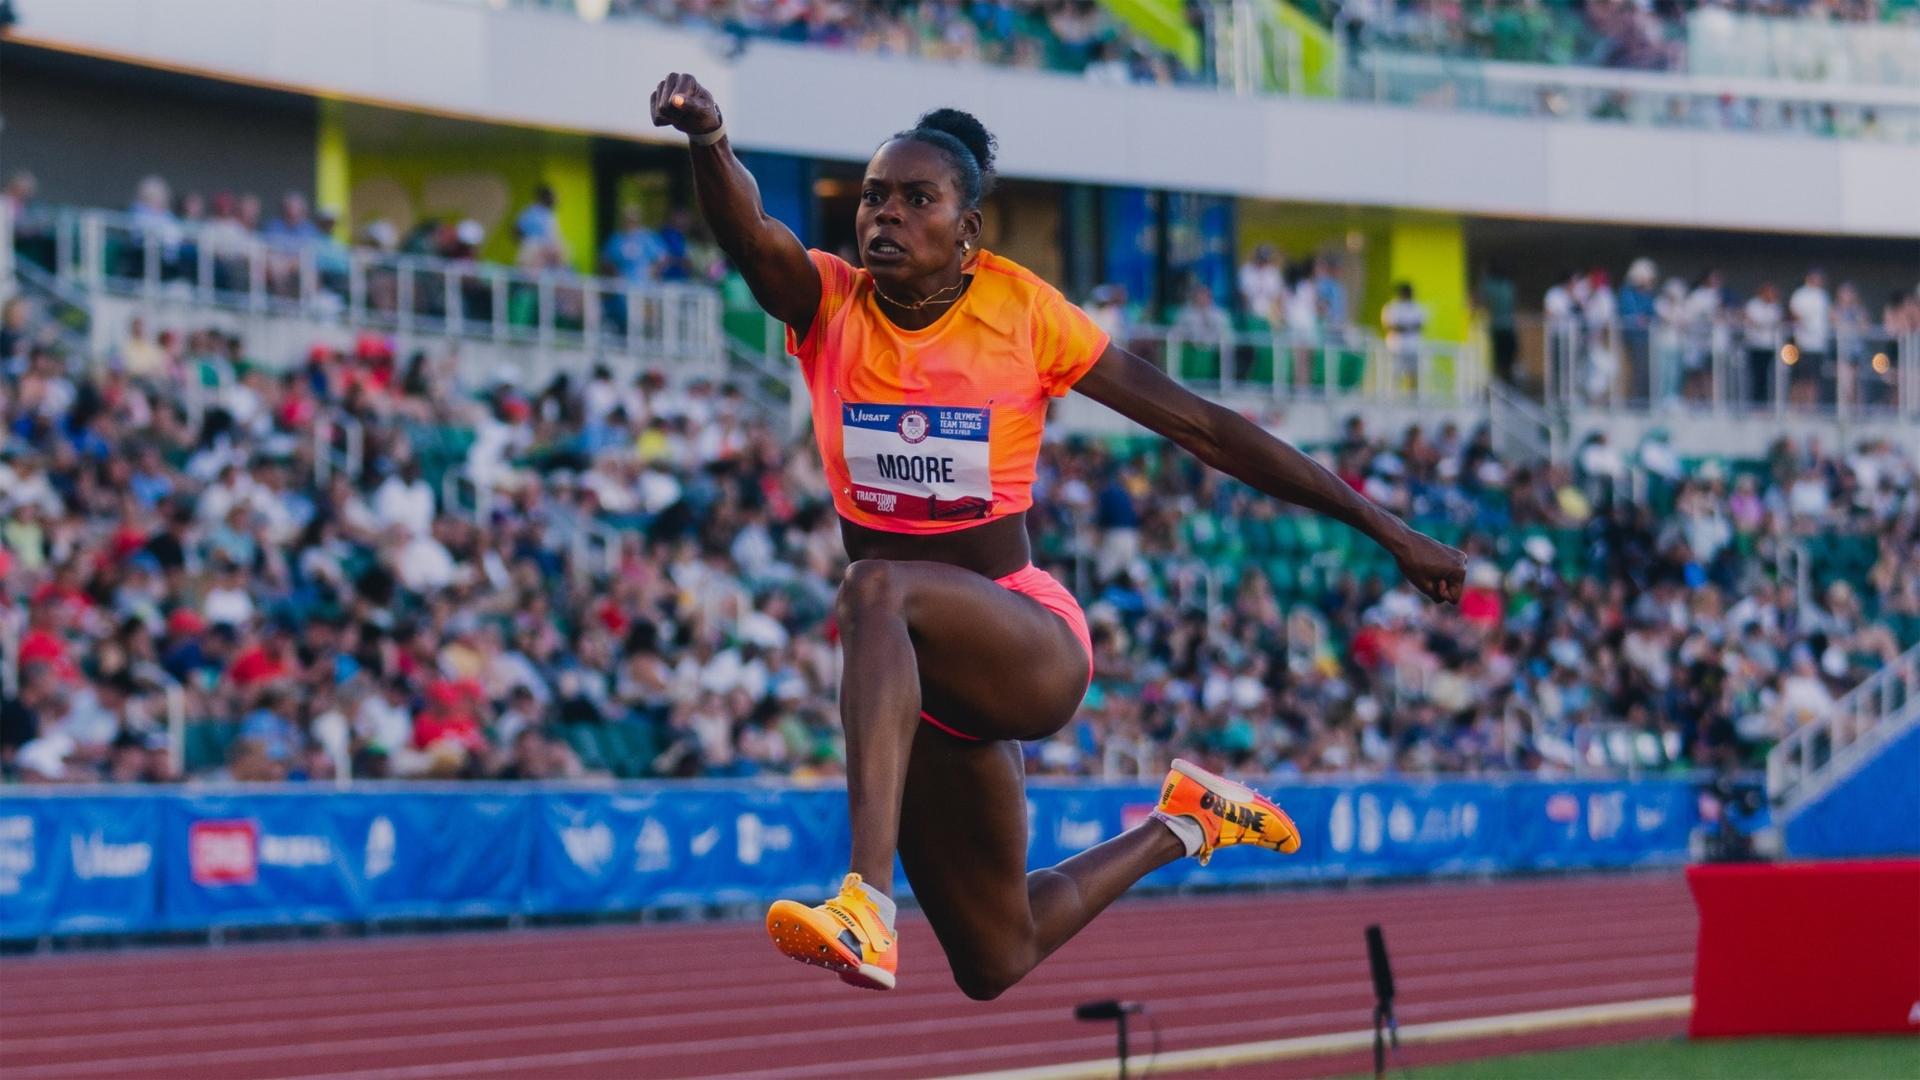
(366,562)
(1655,341)
(1073,36)
(1641,34)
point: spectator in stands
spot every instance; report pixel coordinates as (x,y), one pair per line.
(19,195)
(1852,327)
(1702,331)
(635,253)
(1333,292)
(1263,288)
(1636,310)
(1497,300)
(1405,321)
(1811,311)
(404,499)
(1761,332)
(153,217)
(676,238)
(539,223)
(1599,313)
(1303,321)
(295,226)
(1200,320)
(1107,307)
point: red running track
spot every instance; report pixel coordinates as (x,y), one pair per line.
(716,1000)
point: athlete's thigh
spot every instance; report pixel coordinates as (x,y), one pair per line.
(993,662)
(963,842)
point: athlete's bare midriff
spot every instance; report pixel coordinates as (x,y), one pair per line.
(994,550)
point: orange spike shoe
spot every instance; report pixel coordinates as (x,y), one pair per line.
(845,935)
(1227,813)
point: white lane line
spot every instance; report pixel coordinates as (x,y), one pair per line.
(1215,1057)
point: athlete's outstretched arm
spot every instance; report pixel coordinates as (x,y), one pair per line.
(1231,443)
(769,256)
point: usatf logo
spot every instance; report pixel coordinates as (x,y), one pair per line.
(914,426)
(224,852)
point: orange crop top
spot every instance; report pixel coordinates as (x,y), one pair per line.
(937,430)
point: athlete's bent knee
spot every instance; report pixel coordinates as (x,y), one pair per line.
(984,982)
(981,988)
(870,585)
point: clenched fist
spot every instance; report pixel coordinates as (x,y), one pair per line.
(683,104)
(1434,568)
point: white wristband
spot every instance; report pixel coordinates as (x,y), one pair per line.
(710,137)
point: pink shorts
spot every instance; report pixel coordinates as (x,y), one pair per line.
(1032,581)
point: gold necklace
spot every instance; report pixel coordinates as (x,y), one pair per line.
(918,304)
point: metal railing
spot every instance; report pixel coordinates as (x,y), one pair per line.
(1718,366)
(1345,363)
(1817,754)
(1651,99)
(409,295)
(1522,430)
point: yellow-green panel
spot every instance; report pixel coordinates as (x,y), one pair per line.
(333,173)
(1430,251)
(1298,232)
(1162,22)
(1379,248)
(404,167)
(1319,50)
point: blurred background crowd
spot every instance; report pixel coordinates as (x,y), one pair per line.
(633,575)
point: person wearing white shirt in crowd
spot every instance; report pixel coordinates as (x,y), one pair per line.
(601,395)
(1263,287)
(1761,334)
(1107,307)
(1562,313)
(1701,328)
(1303,325)
(1601,315)
(405,499)
(1201,321)
(1405,321)
(423,564)
(1811,308)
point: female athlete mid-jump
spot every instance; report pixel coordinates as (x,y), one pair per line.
(930,366)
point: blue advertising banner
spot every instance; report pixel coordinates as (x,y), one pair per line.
(76,863)
(234,859)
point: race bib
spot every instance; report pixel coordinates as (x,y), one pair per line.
(921,462)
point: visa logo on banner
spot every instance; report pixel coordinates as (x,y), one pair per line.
(16,852)
(94,858)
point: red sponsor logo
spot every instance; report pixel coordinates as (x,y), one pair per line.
(1563,807)
(1133,814)
(224,852)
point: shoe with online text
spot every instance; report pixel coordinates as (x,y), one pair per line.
(845,935)
(1227,813)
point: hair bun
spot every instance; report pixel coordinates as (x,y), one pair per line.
(967,128)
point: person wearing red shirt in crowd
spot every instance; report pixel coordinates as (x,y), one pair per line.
(44,643)
(264,662)
(64,592)
(449,721)
(1480,602)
